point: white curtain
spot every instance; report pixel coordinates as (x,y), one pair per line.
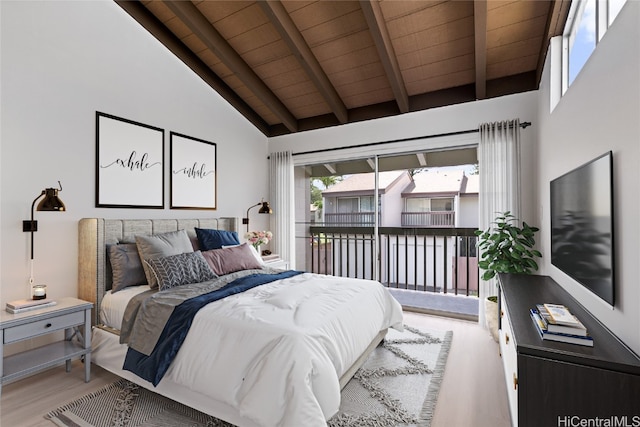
(281,184)
(499,165)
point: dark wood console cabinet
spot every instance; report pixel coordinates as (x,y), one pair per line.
(559,384)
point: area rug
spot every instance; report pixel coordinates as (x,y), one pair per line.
(397,386)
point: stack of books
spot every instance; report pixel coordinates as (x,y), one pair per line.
(555,322)
(28,304)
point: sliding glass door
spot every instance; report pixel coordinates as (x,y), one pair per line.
(404,219)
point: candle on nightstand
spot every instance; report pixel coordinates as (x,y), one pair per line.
(39,291)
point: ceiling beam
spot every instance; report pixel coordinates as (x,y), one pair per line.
(189,14)
(371,164)
(480,30)
(156,28)
(558,13)
(380,34)
(509,85)
(280,19)
(440,98)
(331,168)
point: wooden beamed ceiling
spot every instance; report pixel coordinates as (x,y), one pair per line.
(290,66)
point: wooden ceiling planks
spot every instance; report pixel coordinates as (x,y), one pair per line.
(426,19)
(300,65)
(281,20)
(338,36)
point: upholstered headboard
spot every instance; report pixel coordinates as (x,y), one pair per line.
(94,234)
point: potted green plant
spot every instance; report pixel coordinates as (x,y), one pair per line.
(505,248)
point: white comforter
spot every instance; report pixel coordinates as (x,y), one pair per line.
(276,352)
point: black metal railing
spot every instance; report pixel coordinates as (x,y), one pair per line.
(426,259)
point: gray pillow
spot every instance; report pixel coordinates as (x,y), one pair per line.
(181,269)
(160,246)
(126,266)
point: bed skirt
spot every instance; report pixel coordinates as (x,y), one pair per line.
(108,353)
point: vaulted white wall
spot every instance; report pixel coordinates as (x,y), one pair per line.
(598,113)
(62,61)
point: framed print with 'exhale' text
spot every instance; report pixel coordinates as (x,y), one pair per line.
(129,164)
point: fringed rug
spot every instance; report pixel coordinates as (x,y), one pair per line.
(397,386)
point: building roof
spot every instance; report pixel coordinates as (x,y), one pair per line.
(471,185)
(426,183)
(364,182)
(435,182)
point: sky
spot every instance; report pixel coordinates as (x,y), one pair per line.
(585,40)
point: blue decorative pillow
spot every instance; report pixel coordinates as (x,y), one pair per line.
(181,269)
(215,239)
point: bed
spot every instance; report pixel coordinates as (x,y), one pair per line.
(275,354)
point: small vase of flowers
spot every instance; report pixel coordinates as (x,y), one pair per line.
(258,238)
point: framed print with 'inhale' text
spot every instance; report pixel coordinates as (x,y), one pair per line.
(193,173)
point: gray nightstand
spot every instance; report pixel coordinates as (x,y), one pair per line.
(69,314)
(275,261)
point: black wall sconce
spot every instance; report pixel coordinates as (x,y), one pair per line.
(51,203)
(265,209)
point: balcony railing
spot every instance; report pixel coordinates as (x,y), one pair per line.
(426,259)
(409,219)
(428,219)
(350,219)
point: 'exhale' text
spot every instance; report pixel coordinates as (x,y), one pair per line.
(133,163)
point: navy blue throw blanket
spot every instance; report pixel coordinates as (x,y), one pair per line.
(153,367)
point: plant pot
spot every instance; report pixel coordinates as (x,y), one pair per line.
(491,314)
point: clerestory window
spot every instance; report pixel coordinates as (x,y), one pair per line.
(586,24)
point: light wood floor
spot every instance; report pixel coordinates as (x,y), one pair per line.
(472,394)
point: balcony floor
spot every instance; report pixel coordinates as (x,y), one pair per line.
(441,304)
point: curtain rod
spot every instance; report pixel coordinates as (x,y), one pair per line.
(523,125)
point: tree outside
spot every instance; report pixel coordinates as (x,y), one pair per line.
(319,184)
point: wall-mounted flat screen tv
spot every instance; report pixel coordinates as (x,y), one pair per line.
(582,225)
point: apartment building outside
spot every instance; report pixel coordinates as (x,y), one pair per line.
(423,236)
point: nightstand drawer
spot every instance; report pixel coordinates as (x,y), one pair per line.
(45,326)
